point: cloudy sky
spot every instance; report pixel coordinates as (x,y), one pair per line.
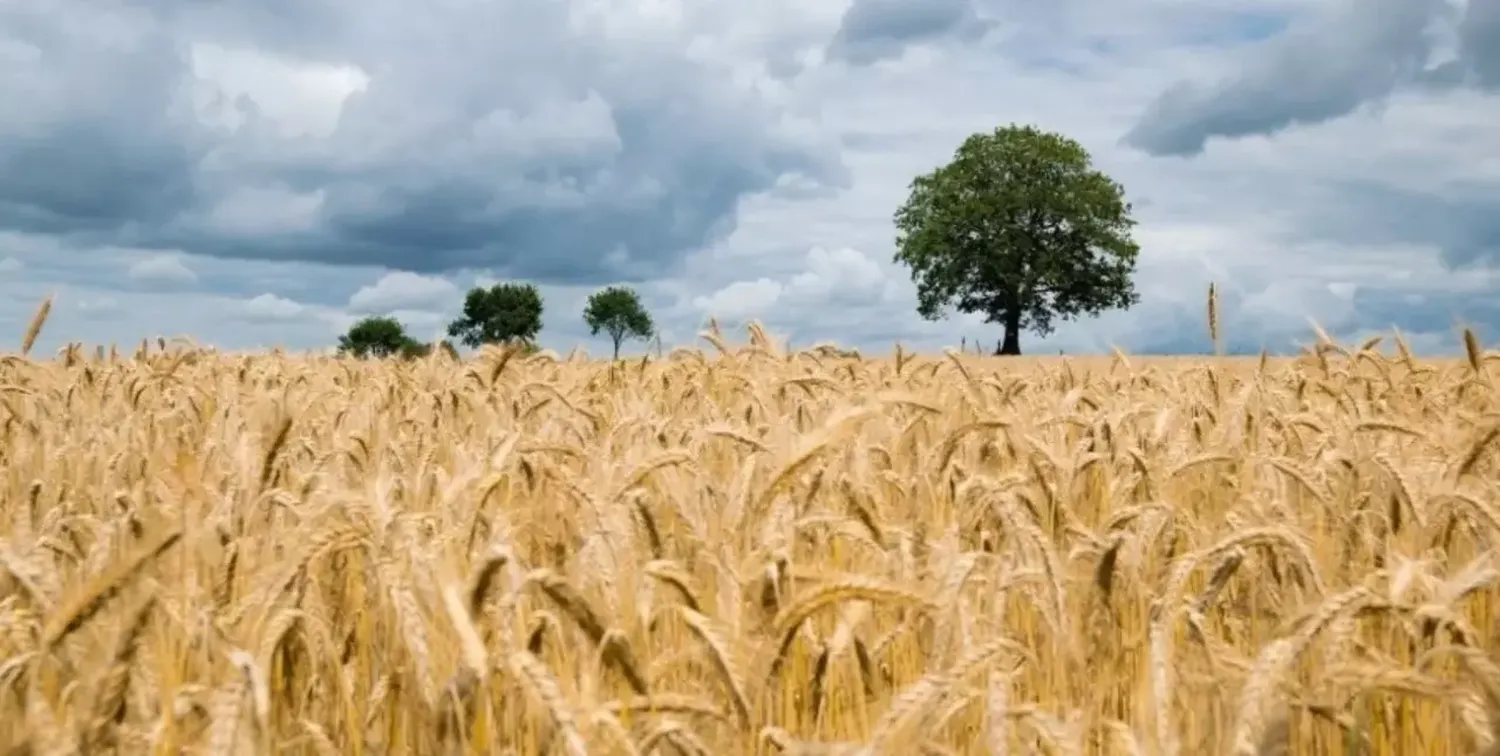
(263,172)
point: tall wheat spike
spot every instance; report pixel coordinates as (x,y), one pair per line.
(1214,332)
(34,327)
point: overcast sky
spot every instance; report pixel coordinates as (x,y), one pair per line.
(262,172)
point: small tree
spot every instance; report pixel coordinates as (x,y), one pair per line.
(1020,227)
(377,337)
(617,310)
(418,349)
(506,312)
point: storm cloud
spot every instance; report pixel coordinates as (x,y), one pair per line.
(1350,54)
(525,137)
(873,30)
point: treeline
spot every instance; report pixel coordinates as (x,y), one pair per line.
(1018,227)
(505,313)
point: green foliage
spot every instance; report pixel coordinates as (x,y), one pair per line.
(1020,227)
(417,349)
(617,310)
(505,312)
(377,337)
(383,337)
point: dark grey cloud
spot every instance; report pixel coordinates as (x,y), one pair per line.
(1443,312)
(1321,71)
(1477,60)
(1307,75)
(86,139)
(1461,222)
(874,30)
(1479,36)
(517,137)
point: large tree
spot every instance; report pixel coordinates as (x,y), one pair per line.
(503,313)
(617,310)
(1019,227)
(377,337)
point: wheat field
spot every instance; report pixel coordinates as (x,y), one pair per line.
(744,551)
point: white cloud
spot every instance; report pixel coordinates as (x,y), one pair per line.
(421,324)
(1342,289)
(99,305)
(269,307)
(403,290)
(11,265)
(162,269)
(299,99)
(741,300)
(250,210)
(842,274)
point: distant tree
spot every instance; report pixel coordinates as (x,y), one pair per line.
(506,312)
(417,349)
(1020,227)
(377,337)
(617,310)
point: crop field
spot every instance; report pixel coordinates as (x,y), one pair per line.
(743,551)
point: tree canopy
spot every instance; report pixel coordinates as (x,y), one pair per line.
(385,337)
(421,349)
(1018,226)
(617,310)
(378,337)
(505,312)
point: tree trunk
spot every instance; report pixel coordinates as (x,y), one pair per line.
(1011,346)
(617,350)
